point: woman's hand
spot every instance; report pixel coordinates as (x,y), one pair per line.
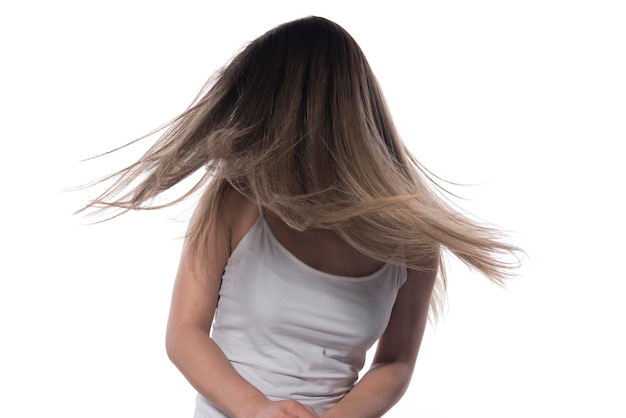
(286,409)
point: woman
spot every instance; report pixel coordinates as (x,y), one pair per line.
(316,235)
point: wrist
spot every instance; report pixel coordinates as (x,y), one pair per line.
(250,407)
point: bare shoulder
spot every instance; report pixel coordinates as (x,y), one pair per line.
(240,214)
(428,272)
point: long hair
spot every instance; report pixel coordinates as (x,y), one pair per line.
(297,122)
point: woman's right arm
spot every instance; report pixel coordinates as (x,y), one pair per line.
(188,344)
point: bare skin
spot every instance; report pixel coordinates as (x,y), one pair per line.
(322,250)
(202,362)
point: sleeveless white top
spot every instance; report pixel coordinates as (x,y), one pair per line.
(292,331)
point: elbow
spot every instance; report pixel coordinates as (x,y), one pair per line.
(183,343)
(402,372)
(170,347)
(174,345)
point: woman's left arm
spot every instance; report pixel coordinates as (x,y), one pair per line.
(389,376)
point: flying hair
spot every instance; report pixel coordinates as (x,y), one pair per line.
(298,123)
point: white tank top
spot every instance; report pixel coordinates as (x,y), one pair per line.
(292,331)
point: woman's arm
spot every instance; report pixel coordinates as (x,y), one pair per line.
(388,378)
(193,305)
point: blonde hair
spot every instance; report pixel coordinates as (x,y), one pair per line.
(297,122)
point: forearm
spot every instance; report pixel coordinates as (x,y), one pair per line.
(208,370)
(379,389)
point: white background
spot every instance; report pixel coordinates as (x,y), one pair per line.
(525,100)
